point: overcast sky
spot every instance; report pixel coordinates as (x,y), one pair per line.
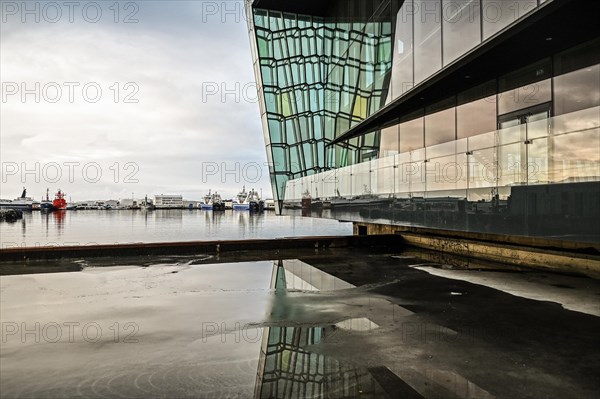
(162,116)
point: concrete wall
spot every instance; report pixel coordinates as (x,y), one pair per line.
(529,252)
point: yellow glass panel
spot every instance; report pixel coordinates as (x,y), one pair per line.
(360,107)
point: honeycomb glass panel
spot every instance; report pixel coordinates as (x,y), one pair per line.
(342,69)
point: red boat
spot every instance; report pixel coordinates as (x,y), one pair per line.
(59,201)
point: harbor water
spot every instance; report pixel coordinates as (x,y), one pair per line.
(90,227)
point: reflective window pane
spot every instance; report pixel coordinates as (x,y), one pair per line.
(497,14)
(402,69)
(385,176)
(428,38)
(576,156)
(411,135)
(476,117)
(576,121)
(577,90)
(577,57)
(483,168)
(440,127)
(389,142)
(461,27)
(524,97)
(446,173)
(537,161)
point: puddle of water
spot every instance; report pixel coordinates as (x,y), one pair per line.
(181,327)
(134,331)
(173,328)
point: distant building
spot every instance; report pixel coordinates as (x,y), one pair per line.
(189,204)
(129,203)
(168,201)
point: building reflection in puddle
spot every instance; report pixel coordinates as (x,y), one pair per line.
(330,339)
(287,368)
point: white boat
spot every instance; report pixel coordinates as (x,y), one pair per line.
(249,201)
(207,205)
(147,204)
(23,203)
(241,203)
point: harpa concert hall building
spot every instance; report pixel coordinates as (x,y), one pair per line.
(471,116)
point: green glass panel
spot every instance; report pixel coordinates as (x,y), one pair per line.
(279,157)
(267,77)
(290,131)
(305,128)
(260,17)
(308,155)
(318,128)
(289,20)
(338,80)
(270,102)
(274,20)
(296,161)
(275,130)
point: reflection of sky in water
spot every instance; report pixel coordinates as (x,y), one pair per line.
(167,330)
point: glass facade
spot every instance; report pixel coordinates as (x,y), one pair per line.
(536,178)
(517,152)
(432,34)
(317,78)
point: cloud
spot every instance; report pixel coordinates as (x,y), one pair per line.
(158,108)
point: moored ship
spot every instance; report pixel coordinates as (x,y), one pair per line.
(207,204)
(147,204)
(46,204)
(217,202)
(23,203)
(255,204)
(59,203)
(242,204)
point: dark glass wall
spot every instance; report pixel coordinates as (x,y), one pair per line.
(564,83)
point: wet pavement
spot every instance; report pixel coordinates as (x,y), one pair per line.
(330,323)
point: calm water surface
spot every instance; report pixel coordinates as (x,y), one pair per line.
(111,227)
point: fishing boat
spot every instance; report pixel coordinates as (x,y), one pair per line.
(147,204)
(217,202)
(255,203)
(241,203)
(46,204)
(207,204)
(23,203)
